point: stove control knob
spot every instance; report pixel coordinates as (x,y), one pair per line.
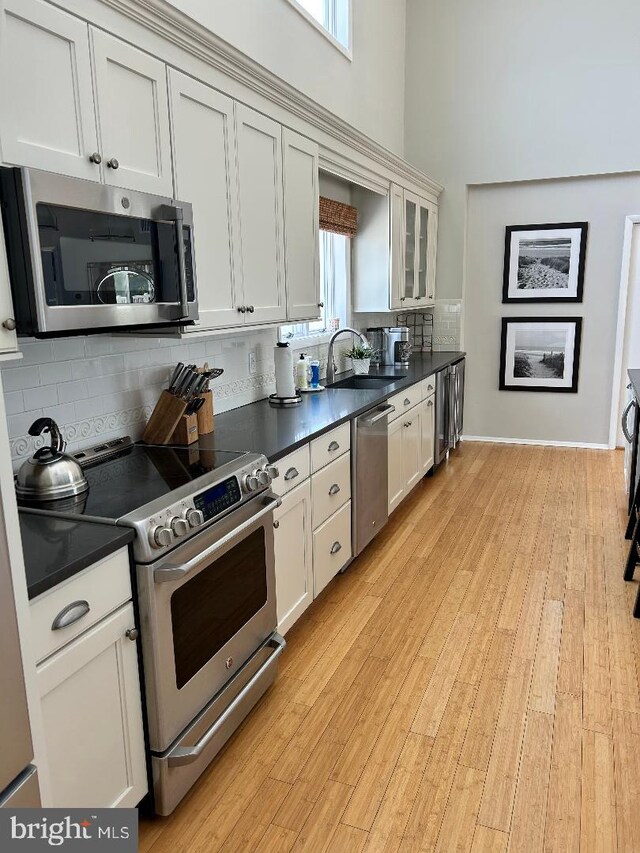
(160,537)
(263,478)
(273,472)
(179,526)
(250,483)
(193,517)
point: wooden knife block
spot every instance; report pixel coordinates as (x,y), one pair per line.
(164,419)
(186,432)
(205,414)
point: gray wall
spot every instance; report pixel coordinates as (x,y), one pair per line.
(504,91)
(368,91)
(583,417)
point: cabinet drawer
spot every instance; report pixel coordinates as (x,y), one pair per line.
(405,400)
(331,548)
(330,489)
(294,469)
(102,587)
(329,446)
(428,386)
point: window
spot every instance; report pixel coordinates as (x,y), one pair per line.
(335,261)
(333,16)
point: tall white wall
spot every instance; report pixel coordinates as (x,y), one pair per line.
(504,92)
(368,91)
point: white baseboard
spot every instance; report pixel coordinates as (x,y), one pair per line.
(494,440)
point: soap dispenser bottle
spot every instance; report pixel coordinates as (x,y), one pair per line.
(302,372)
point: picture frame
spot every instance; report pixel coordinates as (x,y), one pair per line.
(544,263)
(540,354)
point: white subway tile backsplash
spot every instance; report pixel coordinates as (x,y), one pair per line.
(19,378)
(68,348)
(14,402)
(37,352)
(19,424)
(40,398)
(68,392)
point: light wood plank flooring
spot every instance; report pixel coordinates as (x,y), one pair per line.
(470,684)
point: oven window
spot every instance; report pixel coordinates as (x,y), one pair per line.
(208,610)
(92,258)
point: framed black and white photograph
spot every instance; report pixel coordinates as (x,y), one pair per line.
(544,263)
(540,354)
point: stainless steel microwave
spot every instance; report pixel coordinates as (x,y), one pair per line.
(84,257)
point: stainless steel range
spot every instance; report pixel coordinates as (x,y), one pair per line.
(204,564)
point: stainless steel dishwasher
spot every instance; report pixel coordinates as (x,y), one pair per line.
(369,475)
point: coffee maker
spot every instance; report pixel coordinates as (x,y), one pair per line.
(392,343)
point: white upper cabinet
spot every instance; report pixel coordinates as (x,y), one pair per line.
(417,285)
(259,143)
(8,336)
(301,226)
(204,163)
(47,118)
(133,116)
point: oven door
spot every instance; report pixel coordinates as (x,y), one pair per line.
(205,609)
(86,257)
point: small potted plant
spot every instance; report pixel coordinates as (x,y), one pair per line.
(360,358)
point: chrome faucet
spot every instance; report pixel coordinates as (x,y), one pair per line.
(331,365)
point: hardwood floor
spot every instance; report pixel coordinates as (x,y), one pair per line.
(470,684)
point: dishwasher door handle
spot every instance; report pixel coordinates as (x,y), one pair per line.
(380,414)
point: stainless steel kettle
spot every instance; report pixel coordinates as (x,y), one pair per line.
(50,474)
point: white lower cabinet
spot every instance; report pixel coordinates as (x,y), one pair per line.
(406,447)
(92,712)
(427,432)
(293,553)
(331,547)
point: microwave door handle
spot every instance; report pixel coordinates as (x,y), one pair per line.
(170,572)
(175,214)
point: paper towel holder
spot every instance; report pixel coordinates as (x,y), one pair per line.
(284,400)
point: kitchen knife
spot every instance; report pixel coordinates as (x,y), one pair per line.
(199,385)
(183,381)
(195,405)
(176,376)
(187,389)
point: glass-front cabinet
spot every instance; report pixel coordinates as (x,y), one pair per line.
(417,286)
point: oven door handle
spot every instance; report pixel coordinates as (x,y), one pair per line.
(170,572)
(175,214)
(625,415)
(188,754)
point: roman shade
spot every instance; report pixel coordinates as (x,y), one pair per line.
(338,217)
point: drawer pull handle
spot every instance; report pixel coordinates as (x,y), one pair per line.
(407,401)
(335,548)
(276,525)
(70,614)
(430,403)
(429,387)
(334,489)
(333,446)
(408,423)
(291,474)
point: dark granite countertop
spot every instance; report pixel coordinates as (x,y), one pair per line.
(634,376)
(55,549)
(262,428)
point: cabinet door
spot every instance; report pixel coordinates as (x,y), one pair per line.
(47,118)
(411,448)
(301,226)
(411,227)
(133,116)
(8,337)
(432,251)
(427,244)
(427,432)
(293,552)
(92,712)
(259,142)
(204,160)
(396,474)
(396,241)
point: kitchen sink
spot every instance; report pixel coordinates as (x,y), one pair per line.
(366,383)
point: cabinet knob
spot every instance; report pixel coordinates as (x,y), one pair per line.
(250,309)
(9,324)
(320,304)
(335,548)
(334,489)
(241,309)
(113,163)
(132,634)
(276,524)
(430,403)
(96,158)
